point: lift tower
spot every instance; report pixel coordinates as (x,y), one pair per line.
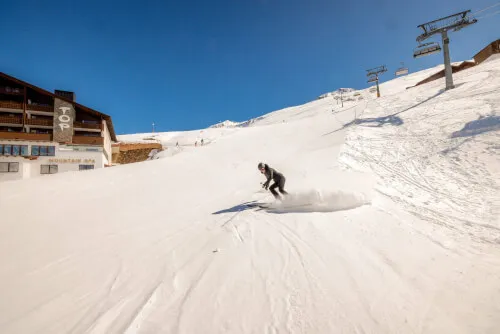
(373,75)
(441,26)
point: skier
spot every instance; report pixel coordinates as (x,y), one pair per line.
(277,177)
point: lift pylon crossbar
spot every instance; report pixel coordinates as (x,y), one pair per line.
(376,70)
(453,22)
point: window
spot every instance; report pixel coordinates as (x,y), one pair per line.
(9,167)
(24,150)
(86,167)
(51,151)
(48,169)
(43,150)
(1,149)
(7,149)
(16,150)
(13,167)
(35,150)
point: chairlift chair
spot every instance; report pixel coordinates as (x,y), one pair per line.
(402,70)
(426,49)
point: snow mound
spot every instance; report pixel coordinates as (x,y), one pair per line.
(320,201)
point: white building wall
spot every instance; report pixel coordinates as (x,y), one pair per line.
(67,158)
(107,143)
(26,168)
(13,176)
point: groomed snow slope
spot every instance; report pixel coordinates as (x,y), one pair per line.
(401,234)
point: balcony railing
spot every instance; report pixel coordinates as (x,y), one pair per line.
(11,105)
(25,136)
(84,140)
(36,107)
(11,119)
(82,125)
(40,121)
(11,91)
(19,105)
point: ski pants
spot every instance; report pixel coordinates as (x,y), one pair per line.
(280,184)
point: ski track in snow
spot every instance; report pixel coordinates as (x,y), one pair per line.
(392,225)
(414,158)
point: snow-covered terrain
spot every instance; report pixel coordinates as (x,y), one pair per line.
(392,225)
(338,92)
(226,123)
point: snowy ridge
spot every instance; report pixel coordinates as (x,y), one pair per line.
(392,224)
(338,92)
(225,124)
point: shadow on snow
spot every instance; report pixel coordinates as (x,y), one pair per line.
(309,201)
(384,120)
(481,125)
(238,208)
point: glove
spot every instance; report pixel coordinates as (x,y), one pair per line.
(265,185)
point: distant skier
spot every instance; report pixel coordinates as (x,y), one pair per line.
(277,177)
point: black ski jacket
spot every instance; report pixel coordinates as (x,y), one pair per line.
(272,174)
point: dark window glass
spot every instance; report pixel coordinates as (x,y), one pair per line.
(35,150)
(1,149)
(9,167)
(48,169)
(16,150)
(7,149)
(43,150)
(86,167)
(24,150)
(51,151)
(13,167)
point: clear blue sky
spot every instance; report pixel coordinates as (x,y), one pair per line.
(187,64)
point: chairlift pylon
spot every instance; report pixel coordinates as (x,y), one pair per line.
(426,49)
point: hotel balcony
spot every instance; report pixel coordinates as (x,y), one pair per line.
(12,91)
(18,107)
(88,140)
(11,120)
(86,126)
(25,136)
(11,106)
(40,122)
(44,108)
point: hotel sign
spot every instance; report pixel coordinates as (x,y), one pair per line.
(71,161)
(64,114)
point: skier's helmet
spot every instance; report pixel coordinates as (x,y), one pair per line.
(260,166)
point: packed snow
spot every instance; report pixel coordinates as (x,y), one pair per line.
(391,226)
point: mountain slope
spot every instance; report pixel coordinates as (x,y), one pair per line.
(395,241)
